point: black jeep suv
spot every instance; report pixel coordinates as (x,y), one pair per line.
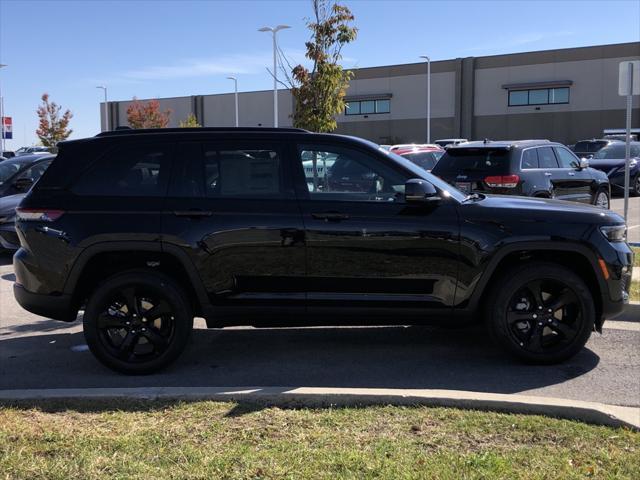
(532,168)
(145,230)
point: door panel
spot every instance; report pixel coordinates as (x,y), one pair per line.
(232,209)
(365,246)
(576,183)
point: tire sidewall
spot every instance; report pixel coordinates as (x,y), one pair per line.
(513,281)
(600,192)
(156,283)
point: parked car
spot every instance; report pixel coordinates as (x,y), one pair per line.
(33,150)
(147,229)
(7,154)
(18,174)
(425,157)
(611,160)
(532,168)
(587,148)
(405,146)
(444,142)
(23,181)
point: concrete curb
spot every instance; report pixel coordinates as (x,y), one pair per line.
(590,412)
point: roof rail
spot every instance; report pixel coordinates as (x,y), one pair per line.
(132,131)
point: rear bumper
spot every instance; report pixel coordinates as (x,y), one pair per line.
(57,307)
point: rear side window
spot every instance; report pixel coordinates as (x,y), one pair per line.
(546,158)
(467,160)
(426,160)
(128,171)
(530,158)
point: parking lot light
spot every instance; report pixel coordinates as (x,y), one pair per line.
(106,107)
(235,81)
(273,31)
(428,97)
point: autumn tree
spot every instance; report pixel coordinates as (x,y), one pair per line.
(53,127)
(319,92)
(147,114)
(190,122)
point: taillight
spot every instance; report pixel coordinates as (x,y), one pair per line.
(502,181)
(38,214)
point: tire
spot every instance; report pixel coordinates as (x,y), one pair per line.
(136,343)
(602,199)
(635,186)
(517,323)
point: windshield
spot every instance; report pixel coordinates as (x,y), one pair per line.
(8,169)
(588,147)
(615,152)
(426,160)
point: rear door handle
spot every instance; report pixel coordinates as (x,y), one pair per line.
(330,216)
(571,174)
(193,213)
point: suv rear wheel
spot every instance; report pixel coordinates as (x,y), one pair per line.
(541,313)
(137,322)
(602,199)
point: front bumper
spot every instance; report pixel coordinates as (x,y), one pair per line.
(57,307)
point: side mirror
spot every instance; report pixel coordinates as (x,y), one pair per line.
(23,184)
(590,156)
(417,190)
(584,163)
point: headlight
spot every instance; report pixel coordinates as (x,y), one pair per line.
(632,163)
(614,233)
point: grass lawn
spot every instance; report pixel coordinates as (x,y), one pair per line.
(227,440)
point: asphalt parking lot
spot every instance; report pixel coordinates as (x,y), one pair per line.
(633,222)
(40,353)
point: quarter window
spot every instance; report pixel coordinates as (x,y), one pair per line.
(131,171)
(530,158)
(539,96)
(367,107)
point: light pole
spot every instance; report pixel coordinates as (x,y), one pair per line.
(2,118)
(106,107)
(273,31)
(235,81)
(428,97)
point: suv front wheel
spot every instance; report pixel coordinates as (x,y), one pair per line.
(541,312)
(137,322)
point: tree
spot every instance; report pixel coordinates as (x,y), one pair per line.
(190,122)
(52,128)
(319,93)
(147,114)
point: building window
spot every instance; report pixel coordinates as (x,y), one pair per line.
(539,96)
(367,107)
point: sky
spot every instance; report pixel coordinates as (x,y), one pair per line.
(167,48)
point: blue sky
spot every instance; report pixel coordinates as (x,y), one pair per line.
(173,48)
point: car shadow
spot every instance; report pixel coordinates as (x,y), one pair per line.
(373,357)
(6,259)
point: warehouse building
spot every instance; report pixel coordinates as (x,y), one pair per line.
(563,95)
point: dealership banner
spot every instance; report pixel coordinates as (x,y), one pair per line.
(7,128)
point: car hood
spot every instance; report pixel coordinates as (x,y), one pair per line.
(8,204)
(547,210)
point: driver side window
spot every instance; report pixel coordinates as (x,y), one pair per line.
(343,174)
(566,158)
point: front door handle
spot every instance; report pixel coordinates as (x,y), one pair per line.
(193,213)
(330,216)
(547,174)
(571,174)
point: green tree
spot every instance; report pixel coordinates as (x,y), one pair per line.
(190,122)
(147,114)
(319,92)
(53,127)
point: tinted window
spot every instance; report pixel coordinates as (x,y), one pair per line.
(337,173)
(187,178)
(136,171)
(546,158)
(530,158)
(8,169)
(36,171)
(585,147)
(566,158)
(383,106)
(463,160)
(559,95)
(613,151)
(352,108)
(538,97)
(241,172)
(368,106)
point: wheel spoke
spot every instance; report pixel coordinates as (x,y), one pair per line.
(105,320)
(131,300)
(515,316)
(562,328)
(158,310)
(534,342)
(127,346)
(535,288)
(563,299)
(158,341)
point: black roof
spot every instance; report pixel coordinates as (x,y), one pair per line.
(506,144)
(142,131)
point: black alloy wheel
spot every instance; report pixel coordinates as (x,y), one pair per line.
(137,322)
